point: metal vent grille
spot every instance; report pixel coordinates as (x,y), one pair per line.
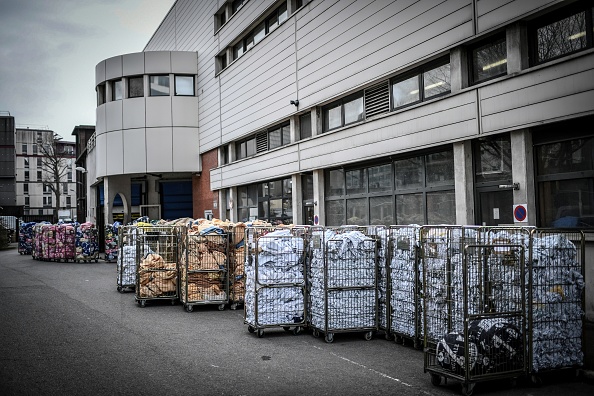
(377,99)
(261,142)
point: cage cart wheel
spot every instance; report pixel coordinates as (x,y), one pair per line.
(142,303)
(368,336)
(535,380)
(286,328)
(189,308)
(260,333)
(468,388)
(221,307)
(233,306)
(120,289)
(435,379)
(329,337)
(416,344)
(316,333)
(389,336)
(296,330)
(251,329)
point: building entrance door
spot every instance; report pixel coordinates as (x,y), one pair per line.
(495,207)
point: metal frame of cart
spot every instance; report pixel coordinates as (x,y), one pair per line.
(276,269)
(351,291)
(126,258)
(204,270)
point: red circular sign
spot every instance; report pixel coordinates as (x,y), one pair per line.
(520,213)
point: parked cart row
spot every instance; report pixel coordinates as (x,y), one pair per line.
(59,242)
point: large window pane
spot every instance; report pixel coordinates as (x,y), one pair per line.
(440,168)
(282,13)
(259,32)
(567,203)
(436,81)
(357,211)
(335,213)
(135,87)
(406,91)
(286,132)
(287,210)
(305,126)
(382,211)
(492,158)
(408,173)
(118,90)
(252,194)
(276,209)
(263,213)
(335,182)
(184,85)
(274,138)
(489,60)
(562,37)
(242,196)
(159,85)
(409,209)
(287,188)
(307,187)
(441,207)
(353,111)
(569,156)
(356,181)
(333,117)
(251,147)
(275,188)
(380,178)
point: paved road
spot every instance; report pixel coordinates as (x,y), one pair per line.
(64,329)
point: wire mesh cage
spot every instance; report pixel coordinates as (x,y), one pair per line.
(111,237)
(37,250)
(556,300)
(236,257)
(48,242)
(490,342)
(381,233)
(65,242)
(156,264)
(87,242)
(26,238)
(343,276)
(126,257)
(403,278)
(275,291)
(204,268)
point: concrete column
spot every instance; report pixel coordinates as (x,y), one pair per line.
(516,39)
(318,191)
(458,69)
(523,172)
(316,122)
(464,183)
(297,198)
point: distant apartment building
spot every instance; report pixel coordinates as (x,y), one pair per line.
(7,163)
(36,197)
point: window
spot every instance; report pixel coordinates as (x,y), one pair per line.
(68,201)
(27,200)
(434,79)
(46,189)
(270,201)
(34,148)
(39,178)
(26,188)
(564,158)
(236,5)
(39,162)
(27,175)
(26,162)
(305,126)
(279,136)
(47,201)
(245,148)
(136,87)
(70,176)
(184,85)
(159,85)
(412,190)
(100,94)
(343,112)
(24,149)
(562,32)
(488,59)
(65,188)
(117,90)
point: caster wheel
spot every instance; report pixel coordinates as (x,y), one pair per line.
(233,307)
(172,302)
(296,330)
(316,333)
(416,344)
(286,328)
(435,379)
(467,389)
(260,333)
(329,338)
(142,303)
(535,380)
(189,308)
(251,329)
(222,307)
(389,337)
(368,336)
(120,289)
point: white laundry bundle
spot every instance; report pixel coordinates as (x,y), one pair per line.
(404,270)
(274,280)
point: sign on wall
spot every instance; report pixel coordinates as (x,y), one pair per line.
(520,213)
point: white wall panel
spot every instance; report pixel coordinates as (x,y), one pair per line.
(115,153)
(186,149)
(133,111)
(159,150)
(184,62)
(158,111)
(157,62)
(134,150)
(113,115)
(184,111)
(100,72)
(133,64)
(492,14)
(113,68)
(100,119)
(101,155)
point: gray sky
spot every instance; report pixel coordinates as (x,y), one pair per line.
(49,49)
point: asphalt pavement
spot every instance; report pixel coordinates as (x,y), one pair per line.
(65,329)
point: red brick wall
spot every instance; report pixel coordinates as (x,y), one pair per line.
(202,196)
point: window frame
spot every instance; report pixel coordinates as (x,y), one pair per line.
(341,103)
(100,89)
(168,85)
(486,42)
(134,78)
(114,89)
(557,16)
(175,77)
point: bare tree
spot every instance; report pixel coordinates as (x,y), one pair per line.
(55,166)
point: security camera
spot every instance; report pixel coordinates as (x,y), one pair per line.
(295,102)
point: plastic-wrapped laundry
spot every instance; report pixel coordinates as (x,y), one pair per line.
(450,353)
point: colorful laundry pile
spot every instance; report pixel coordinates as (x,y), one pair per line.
(65,241)
(26,235)
(111,241)
(87,244)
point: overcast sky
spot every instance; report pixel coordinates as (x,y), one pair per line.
(49,50)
